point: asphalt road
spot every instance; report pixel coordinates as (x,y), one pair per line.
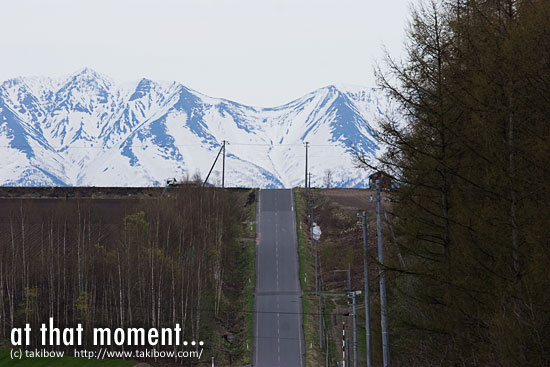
(278,331)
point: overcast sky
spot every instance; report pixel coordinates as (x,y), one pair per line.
(257,52)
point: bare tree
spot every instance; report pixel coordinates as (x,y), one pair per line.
(328,178)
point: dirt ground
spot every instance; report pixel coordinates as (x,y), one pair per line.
(350,199)
(341,245)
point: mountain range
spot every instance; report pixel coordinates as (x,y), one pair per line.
(86,130)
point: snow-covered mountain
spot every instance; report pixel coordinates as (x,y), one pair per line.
(84,130)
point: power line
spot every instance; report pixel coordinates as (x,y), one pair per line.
(67,147)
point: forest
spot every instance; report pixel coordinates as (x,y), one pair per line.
(468,149)
(143,262)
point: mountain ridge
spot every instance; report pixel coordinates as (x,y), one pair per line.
(85,130)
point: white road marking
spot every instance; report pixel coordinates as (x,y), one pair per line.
(290,242)
(277,297)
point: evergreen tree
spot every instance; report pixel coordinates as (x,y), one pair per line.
(468,143)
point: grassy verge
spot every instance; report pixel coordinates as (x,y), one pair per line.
(313,353)
(5,360)
(250,270)
(244,276)
(334,355)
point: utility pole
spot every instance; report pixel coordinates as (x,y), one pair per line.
(383,307)
(321,315)
(213,164)
(307,146)
(315,238)
(351,294)
(349,289)
(363,223)
(399,256)
(316,250)
(223,165)
(326,353)
(349,276)
(354,330)
(309,182)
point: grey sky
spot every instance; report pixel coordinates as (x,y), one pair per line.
(257,52)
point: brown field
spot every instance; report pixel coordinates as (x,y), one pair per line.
(349,199)
(79,192)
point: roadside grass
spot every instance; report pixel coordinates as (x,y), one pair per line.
(361,337)
(330,306)
(5,360)
(243,346)
(313,354)
(250,284)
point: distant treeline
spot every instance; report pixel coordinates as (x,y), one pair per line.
(469,146)
(149,262)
